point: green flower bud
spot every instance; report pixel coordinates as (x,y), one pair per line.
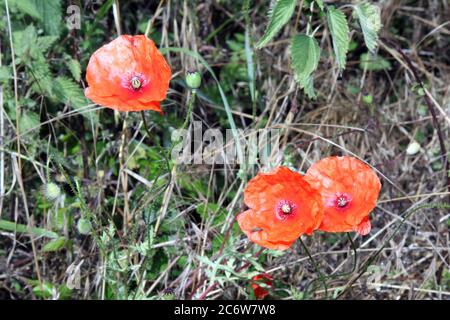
(52,191)
(193,79)
(84,226)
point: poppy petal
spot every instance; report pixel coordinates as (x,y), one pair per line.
(128,74)
(283,206)
(364,227)
(349,190)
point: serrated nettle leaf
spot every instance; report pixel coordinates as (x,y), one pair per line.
(340,34)
(45,42)
(28,7)
(51,15)
(309,87)
(320,4)
(280,13)
(305,55)
(370,21)
(24,40)
(39,72)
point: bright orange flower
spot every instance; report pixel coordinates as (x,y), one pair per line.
(349,190)
(260,292)
(128,74)
(283,206)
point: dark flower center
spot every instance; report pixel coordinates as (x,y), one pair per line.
(342,200)
(284,209)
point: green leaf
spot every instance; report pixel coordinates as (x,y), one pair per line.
(29,120)
(320,4)
(5,73)
(305,55)
(373,63)
(45,42)
(51,15)
(39,72)
(340,34)
(55,245)
(67,91)
(28,7)
(21,228)
(24,41)
(370,22)
(279,15)
(75,69)
(48,290)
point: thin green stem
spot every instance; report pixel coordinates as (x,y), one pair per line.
(344,274)
(316,267)
(190,108)
(147,130)
(308,25)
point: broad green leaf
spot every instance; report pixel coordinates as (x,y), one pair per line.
(24,40)
(373,62)
(21,228)
(47,290)
(279,15)
(50,12)
(5,73)
(340,34)
(305,55)
(370,22)
(27,7)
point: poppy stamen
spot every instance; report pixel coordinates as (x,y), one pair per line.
(284,209)
(136,83)
(342,200)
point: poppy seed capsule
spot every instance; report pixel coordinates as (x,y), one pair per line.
(84,226)
(136,83)
(342,202)
(193,79)
(286,208)
(52,191)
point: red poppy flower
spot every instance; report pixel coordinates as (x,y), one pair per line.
(128,74)
(283,206)
(260,292)
(349,190)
